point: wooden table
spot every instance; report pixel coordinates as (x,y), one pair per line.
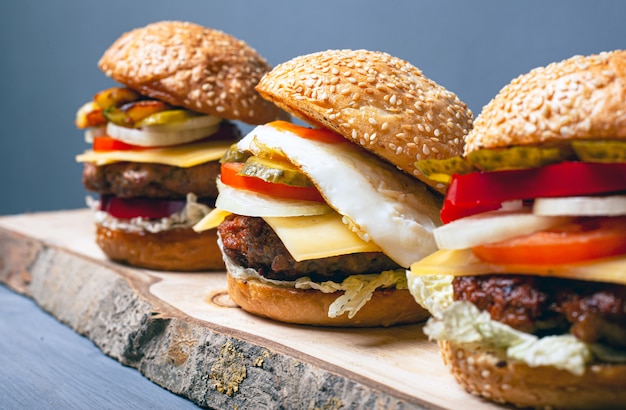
(181,331)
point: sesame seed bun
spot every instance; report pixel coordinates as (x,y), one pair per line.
(577,98)
(482,373)
(387,307)
(192,66)
(378,101)
(180,249)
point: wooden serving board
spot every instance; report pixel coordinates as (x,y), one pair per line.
(182,331)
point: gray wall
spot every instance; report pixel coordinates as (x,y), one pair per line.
(50,50)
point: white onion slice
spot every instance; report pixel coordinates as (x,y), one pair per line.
(166,134)
(613,205)
(242,202)
(491,227)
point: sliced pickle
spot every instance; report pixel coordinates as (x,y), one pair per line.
(166,117)
(441,170)
(519,157)
(116,116)
(277,172)
(234,154)
(600,151)
(265,151)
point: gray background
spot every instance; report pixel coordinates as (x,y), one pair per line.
(50,50)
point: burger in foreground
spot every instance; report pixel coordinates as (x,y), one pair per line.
(528,291)
(157,140)
(319,230)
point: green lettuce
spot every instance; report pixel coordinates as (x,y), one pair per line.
(358,290)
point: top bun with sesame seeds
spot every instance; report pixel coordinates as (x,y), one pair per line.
(381,102)
(191,66)
(578,98)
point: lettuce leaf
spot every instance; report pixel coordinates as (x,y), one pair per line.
(358,290)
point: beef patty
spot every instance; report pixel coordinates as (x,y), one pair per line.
(591,311)
(252,243)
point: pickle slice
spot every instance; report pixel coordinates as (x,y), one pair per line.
(600,151)
(116,116)
(520,157)
(441,170)
(234,154)
(166,117)
(277,172)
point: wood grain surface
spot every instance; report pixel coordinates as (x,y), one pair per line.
(181,331)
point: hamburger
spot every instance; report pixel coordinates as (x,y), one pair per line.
(318,223)
(528,289)
(157,138)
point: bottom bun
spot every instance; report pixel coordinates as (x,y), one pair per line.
(180,249)
(387,307)
(482,373)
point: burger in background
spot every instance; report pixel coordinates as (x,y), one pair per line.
(528,289)
(318,225)
(157,139)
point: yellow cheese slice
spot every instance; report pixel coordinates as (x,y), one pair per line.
(319,236)
(464,263)
(183,156)
(211,220)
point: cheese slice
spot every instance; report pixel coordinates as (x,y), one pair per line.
(319,236)
(183,156)
(464,263)
(305,237)
(211,220)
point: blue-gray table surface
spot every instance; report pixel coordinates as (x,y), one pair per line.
(46,365)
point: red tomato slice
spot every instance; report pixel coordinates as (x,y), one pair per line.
(153,208)
(105,143)
(230,177)
(581,240)
(473,193)
(318,134)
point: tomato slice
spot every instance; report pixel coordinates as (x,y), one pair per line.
(229,176)
(106,143)
(581,240)
(153,208)
(318,134)
(479,191)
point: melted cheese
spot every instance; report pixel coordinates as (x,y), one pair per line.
(211,220)
(464,263)
(183,156)
(306,237)
(319,236)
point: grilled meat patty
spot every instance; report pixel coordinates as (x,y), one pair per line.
(252,243)
(591,311)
